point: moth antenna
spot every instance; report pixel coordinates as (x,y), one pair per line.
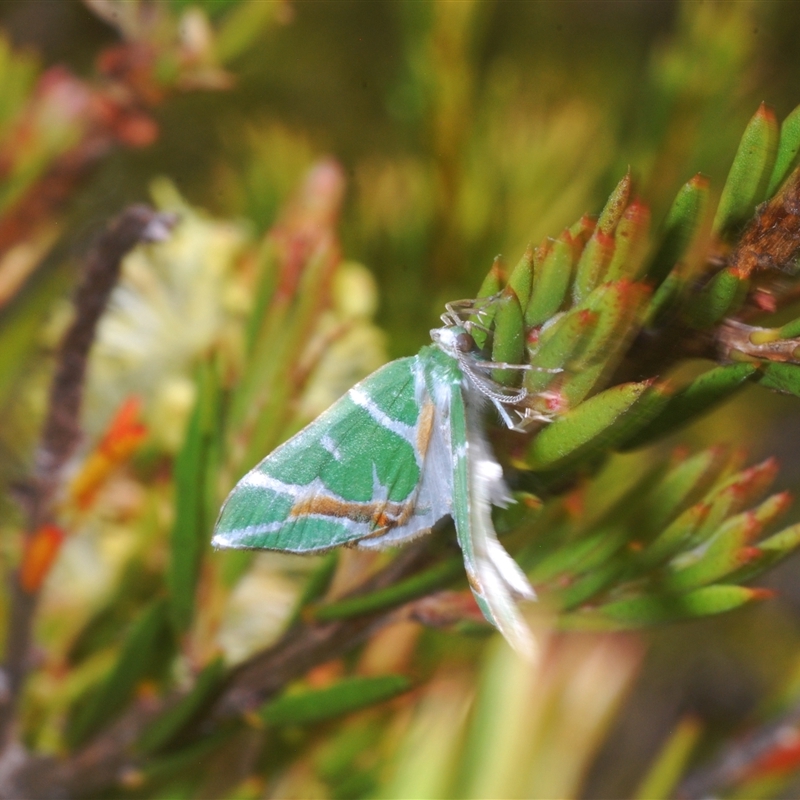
(498,396)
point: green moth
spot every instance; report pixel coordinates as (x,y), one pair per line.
(403,449)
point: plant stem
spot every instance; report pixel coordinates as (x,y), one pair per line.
(61,432)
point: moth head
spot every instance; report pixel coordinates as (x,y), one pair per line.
(455,340)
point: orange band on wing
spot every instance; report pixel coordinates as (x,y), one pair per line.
(383,515)
(424,428)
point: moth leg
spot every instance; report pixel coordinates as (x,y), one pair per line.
(470,326)
(527,416)
(506,365)
(478,484)
(501,410)
(457,309)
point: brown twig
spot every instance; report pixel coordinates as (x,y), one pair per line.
(106,760)
(62,427)
(61,430)
(737,337)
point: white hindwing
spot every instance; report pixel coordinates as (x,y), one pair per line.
(497,580)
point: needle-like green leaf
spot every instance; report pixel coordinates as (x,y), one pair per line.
(195,498)
(508,344)
(589,426)
(788,148)
(551,281)
(317,705)
(680,228)
(148,644)
(749,174)
(701,395)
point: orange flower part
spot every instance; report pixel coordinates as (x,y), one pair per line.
(124,435)
(783,757)
(41,550)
